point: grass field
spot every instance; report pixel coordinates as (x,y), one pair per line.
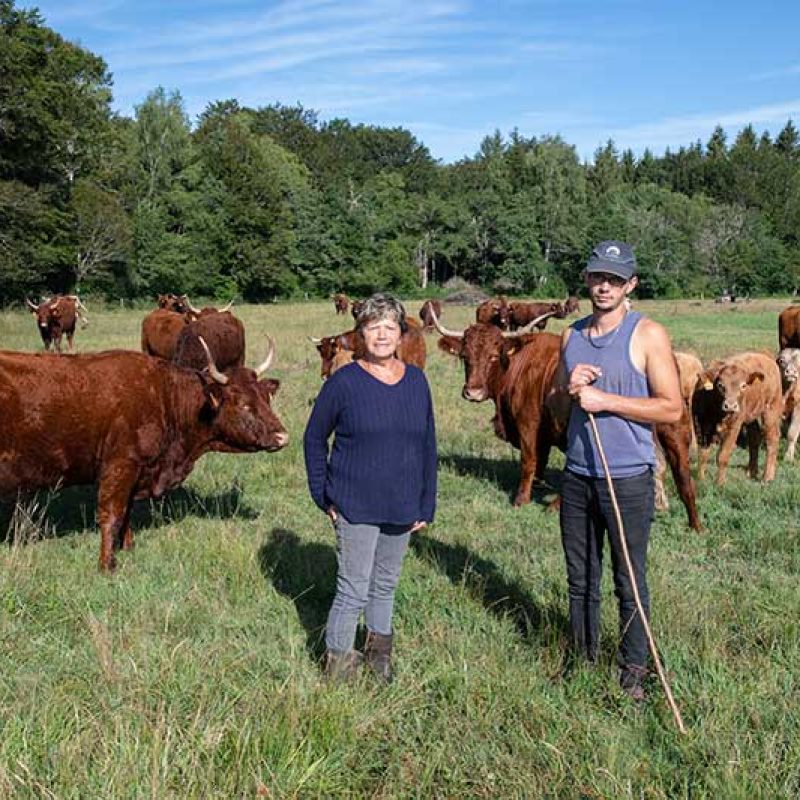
(193,672)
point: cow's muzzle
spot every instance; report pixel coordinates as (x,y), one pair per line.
(729,406)
(474,395)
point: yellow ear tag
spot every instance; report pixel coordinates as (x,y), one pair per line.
(756,380)
(708,386)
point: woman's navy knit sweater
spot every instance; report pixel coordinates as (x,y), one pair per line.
(382,466)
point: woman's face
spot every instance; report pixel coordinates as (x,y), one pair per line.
(381,337)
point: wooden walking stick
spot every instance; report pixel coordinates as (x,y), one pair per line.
(650,640)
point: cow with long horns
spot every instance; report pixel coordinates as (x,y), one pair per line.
(56,317)
(516,369)
(136,426)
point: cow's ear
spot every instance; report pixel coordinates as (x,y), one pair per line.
(214,397)
(271,385)
(705,380)
(450,345)
(755,377)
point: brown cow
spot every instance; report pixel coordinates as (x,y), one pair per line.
(411,350)
(196,313)
(494,311)
(136,427)
(689,370)
(521,314)
(740,392)
(789,327)
(224,335)
(173,302)
(340,303)
(425,313)
(355,308)
(516,371)
(56,318)
(571,305)
(160,331)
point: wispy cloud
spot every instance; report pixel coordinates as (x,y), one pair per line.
(684,130)
(783,72)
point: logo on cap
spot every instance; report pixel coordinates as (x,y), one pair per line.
(613,250)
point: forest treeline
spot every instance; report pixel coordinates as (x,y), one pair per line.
(273,202)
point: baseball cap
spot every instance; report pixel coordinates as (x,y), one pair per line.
(614,257)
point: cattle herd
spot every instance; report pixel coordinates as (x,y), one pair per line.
(135,423)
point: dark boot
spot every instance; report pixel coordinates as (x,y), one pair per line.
(342,667)
(378,654)
(631,679)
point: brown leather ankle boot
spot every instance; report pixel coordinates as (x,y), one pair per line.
(378,654)
(342,667)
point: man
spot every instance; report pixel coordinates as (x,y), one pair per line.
(618,366)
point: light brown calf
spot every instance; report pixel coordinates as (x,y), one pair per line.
(747,387)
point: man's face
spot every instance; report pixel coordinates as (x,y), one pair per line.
(608,291)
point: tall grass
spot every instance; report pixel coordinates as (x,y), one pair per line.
(193,672)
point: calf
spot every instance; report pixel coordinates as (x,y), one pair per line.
(742,392)
(789,363)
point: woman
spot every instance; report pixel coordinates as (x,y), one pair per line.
(377,484)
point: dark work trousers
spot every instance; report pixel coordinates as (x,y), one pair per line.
(586,515)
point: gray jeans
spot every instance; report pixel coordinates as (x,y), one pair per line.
(369,557)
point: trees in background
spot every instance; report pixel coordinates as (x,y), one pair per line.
(274,202)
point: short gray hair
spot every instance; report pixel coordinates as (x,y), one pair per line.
(382,306)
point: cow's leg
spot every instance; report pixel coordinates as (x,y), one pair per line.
(527,468)
(70,345)
(124,540)
(661,499)
(114,499)
(726,449)
(772,434)
(703,454)
(753,444)
(793,433)
(676,451)
(57,343)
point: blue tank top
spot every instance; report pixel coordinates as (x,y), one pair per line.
(628,445)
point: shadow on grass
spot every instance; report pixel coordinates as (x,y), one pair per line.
(73,510)
(503,473)
(483,579)
(305,572)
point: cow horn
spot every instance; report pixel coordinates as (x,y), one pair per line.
(226,308)
(55,305)
(212,367)
(314,340)
(445,331)
(528,328)
(33,306)
(189,305)
(264,366)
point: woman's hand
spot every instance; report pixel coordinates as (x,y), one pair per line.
(418,526)
(333,514)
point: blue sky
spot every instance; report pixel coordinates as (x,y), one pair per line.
(656,74)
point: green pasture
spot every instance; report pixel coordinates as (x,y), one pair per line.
(193,672)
